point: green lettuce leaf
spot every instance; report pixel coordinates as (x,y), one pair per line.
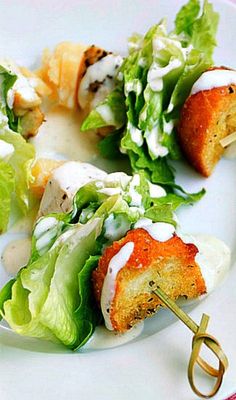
(5,294)
(111,112)
(7,81)
(7,185)
(109,146)
(62,301)
(186,17)
(46,299)
(204,30)
(46,231)
(22,310)
(87,314)
(178,58)
(158,171)
(195,65)
(161,213)
(20,161)
(177,200)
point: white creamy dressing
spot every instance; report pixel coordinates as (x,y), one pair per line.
(23,86)
(170,108)
(213,258)
(24,89)
(142,62)
(143,114)
(213,79)
(156,191)
(154,146)
(133,86)
(121,178)
(102,71)
(16,255)
(161,42)
(142,223)
(135,45)
(105,339)
(3,117)
(6,150)
(156,74)
(45,230)
(116,228)
(120,76)
(136,198)
(168,126)
(64,183)
(43,242)
(110,191)
(136,134)
(60,137)
(160,231)
(115,265)
(106,113)
(44,225)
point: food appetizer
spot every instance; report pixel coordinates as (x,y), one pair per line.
(103,244)
(114,224)
(208,117)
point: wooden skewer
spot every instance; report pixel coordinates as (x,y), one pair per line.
(228,139)
(200,337)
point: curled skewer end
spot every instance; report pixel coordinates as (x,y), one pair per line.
(200,337)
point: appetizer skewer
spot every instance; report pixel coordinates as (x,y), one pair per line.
(84,208)
(105,246)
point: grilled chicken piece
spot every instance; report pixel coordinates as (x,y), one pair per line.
(62,184)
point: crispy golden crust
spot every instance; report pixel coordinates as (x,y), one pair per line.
(170,265)
(206,118)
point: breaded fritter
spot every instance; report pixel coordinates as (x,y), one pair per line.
(206,118)
(170,265)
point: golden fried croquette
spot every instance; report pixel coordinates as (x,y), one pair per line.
(206,118)
(170,265)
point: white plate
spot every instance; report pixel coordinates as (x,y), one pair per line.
(154,367)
